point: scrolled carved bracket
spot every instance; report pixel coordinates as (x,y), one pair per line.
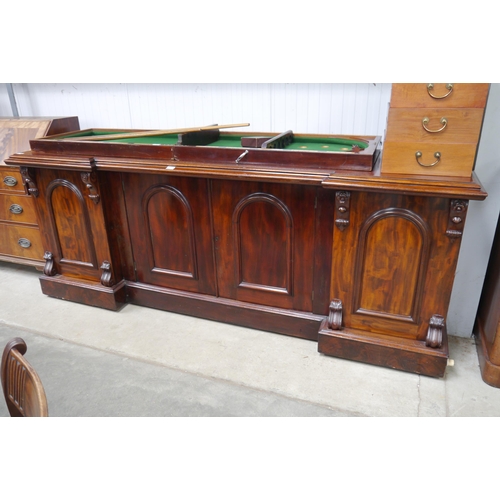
(456,219)
(106,276)
(342,202)
(49,269)
(335,315)
(29,182)
(90,178)
(434,336)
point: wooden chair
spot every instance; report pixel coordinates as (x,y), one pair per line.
(22,387)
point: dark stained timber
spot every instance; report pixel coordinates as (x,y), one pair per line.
(310,244)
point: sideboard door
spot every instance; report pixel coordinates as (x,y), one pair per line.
(71,212)
(170,230)
(264,241)
(394,263)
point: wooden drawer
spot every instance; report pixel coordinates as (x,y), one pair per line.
(17,208)
(463,125)
(21,241)
(456,160)
(416,95)
(11,180)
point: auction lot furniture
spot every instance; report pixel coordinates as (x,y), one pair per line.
(304,235)
(487,329)
(20,239)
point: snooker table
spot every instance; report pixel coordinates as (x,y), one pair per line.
(297,234)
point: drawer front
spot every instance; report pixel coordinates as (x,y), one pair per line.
(11,180)
(17,208)
(456,160)
(417,95)
(446,125)
(20,241)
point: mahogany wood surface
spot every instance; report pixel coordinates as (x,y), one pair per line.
(264,242)
(169,220)
(23,390)
(72,215)
(401,269)
(405,355)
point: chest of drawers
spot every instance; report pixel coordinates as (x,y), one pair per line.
(20,239)
(434,129)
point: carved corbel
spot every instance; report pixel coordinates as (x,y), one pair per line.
(335,315)
(434,336)
(106,276)
(89,178)
(49,269)
(342,201)
(456,219)
(29,182)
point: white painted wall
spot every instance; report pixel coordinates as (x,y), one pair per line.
(314,108)
(335,108)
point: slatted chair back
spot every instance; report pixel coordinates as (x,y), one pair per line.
(22,387)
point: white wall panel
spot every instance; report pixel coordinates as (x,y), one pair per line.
(5,107)
(307,108)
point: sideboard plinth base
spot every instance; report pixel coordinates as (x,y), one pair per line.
(84,292)
(384,350)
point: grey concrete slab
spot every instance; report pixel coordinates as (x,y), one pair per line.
(248,363)
(84,382)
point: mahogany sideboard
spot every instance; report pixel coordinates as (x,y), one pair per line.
(303,235)
(20,239)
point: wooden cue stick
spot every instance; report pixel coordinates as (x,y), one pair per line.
(149,133)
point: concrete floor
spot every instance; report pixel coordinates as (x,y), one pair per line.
(144,362)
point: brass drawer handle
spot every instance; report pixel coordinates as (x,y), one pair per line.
(10,181)
(16,209)
(430,87)
(426,120)
(437,155)
(24,242)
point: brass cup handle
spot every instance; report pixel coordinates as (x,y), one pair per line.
(425,122)
(437,155)
(430,88)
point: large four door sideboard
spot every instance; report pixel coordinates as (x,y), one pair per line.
(313,236)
